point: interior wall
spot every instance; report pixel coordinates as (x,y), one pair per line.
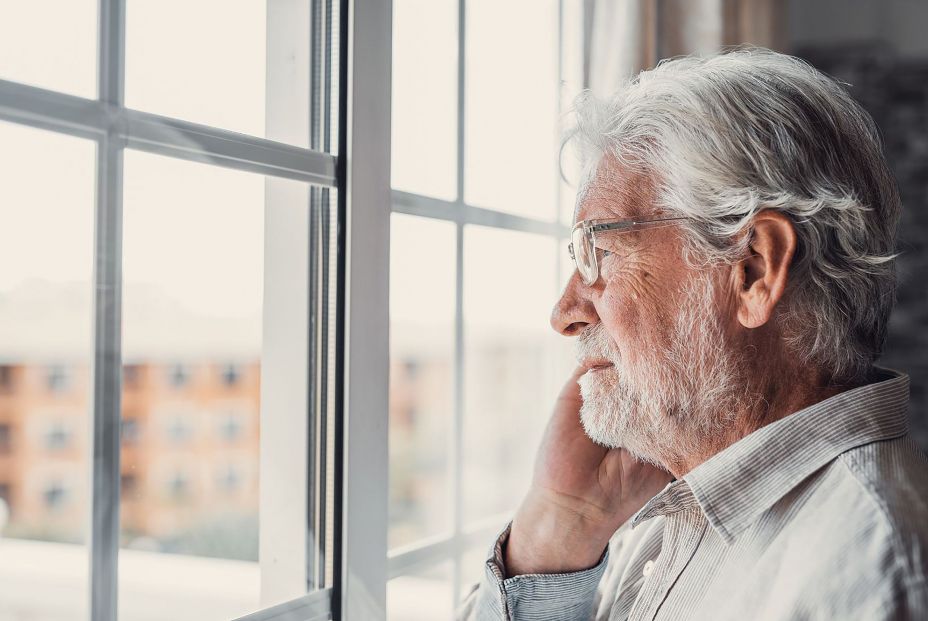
(879,49)
(899,23)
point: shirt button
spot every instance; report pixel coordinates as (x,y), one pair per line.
(648,568)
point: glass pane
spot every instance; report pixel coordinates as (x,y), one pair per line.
(421,376)
(242,66)
(512,106)
(510,363)
(192,342)
(51,44)
(46,248)
(422,596)
(473,563)
(571,85)
(425,49)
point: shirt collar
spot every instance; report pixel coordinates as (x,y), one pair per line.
(736,485)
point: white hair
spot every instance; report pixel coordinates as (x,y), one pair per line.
(724,137)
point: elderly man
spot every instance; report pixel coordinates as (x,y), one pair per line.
(726,448)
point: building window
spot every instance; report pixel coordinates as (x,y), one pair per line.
(131,375)
(5,498)
(55,495)
(178,486)
(128,483)
(179,430)
(230,427)
(57,437)
(178,375)
(231,374)
(56,378)
(6,440)
(6,377)
(229,479)
(130,431)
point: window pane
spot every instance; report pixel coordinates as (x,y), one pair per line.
(421,376)
(243,66)
(192,345)
(424,119)
(510,363)
(473,563)
(571,84)
(46,248)
(423,596)
(51,44)
(512,106)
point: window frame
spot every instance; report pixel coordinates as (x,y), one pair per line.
(359,73)
(451,546)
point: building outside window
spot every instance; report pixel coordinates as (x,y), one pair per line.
(6,377)
(231,374)
(179,429)
(178,375)
(230,426)
(130,431)
(57,436)
(6,438)
(55,495)
(56,378)
(131,375)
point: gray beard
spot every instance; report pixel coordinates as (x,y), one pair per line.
(679,400)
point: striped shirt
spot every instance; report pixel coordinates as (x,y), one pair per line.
(820,515)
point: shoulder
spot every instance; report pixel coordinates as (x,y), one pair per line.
(868,511)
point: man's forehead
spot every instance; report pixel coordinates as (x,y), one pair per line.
(613,191)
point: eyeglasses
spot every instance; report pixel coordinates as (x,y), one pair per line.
(583,247)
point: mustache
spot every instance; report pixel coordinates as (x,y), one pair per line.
(594,342)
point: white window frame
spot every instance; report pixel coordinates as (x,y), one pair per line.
(360,173)
(415,557)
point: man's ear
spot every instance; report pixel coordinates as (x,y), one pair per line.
(763,275)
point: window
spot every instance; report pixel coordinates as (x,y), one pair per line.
(57,437)
(6,377)
(55,495)
(231,374)
(478,236)
(56,378)
(178,375)
(128,484)
(231,425)
(131,375)
(178,429)
(6,440)
(130,430)
(229,479)
(178,485)
(6,505)
(178,203)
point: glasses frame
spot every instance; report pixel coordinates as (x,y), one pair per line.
(591,227)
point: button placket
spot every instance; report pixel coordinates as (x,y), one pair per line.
(683,531)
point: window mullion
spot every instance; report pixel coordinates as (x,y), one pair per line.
(457,434)
(365,130)
(106,369)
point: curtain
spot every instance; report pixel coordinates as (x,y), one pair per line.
(625,36)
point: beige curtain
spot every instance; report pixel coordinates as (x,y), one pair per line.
(626,36)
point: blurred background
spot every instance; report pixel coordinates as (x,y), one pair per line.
(481,93)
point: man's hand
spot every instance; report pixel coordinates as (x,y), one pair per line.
(581,493)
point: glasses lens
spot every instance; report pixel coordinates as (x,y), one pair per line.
(583,255)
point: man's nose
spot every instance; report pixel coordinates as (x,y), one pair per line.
(574,310)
